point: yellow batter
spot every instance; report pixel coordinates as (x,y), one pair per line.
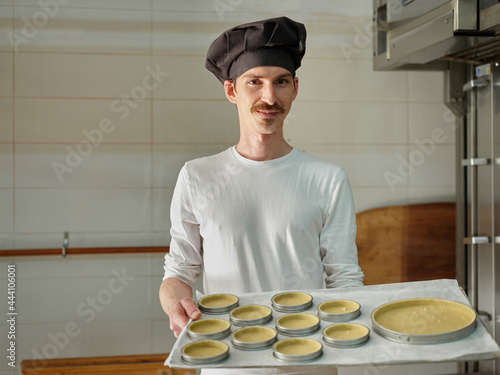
(292,298)
(250,312)
(205,349)
(297,346)
(254,334)
(218,300)
(424,316)
(297,321)
(338,307)
(346,331)
(209,326)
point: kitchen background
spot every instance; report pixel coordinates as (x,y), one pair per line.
(101,102)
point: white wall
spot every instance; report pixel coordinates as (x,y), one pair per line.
(71,69)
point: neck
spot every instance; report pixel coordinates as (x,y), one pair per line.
(263,147)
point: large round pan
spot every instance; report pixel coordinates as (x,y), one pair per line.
(424,321)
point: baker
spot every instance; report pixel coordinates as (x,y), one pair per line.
(261,215)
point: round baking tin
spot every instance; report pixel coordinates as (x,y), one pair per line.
(345,335)
(218,303)
(339,310)
(420,317)
(208,329)
(297,349)
(253,338)
(297,324)
(205,352)
(292,301)
(250,315)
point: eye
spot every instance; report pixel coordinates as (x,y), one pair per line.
(253,82)
(283,81)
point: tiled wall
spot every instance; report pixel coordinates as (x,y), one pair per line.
(91,143)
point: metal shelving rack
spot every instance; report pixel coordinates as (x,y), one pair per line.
(478,192)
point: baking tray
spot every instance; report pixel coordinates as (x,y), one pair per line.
(479,345)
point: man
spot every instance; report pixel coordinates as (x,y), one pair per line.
(261,215)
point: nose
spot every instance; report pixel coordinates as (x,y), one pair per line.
(269,94)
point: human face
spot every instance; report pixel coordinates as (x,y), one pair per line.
(263,96)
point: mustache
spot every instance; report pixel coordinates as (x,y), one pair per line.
(266,107)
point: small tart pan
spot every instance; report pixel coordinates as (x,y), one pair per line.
(251,338)
(209,329)
(339,310)
(250,315)
(218,303)
(346,334)
(297,324)
(292,301)
(297,349)
(424,321)
(204,352)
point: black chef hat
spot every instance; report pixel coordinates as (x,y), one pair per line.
(272,42)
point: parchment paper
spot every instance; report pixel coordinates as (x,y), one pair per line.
(377,350)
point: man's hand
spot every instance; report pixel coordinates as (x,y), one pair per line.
(181,312)
(176,301)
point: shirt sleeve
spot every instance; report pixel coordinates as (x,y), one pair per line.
(185,258)
(338,238)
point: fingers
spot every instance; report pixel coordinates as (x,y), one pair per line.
(175,329)
(180,314)
(190,307)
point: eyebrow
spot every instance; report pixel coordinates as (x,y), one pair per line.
(254,76)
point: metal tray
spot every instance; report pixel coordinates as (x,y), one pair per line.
(424,321)
(377,351)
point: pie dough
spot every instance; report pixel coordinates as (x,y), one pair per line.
(297,321)
(426,316)
(297,346)
(346,331)
(209,326)
(254,334)
(205,349)
(250,312)
(338,307)
(218,300)
(292,298)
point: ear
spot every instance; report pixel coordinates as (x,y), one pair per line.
(295,88)
(230,91)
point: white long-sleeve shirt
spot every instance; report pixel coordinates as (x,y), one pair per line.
(263,225)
